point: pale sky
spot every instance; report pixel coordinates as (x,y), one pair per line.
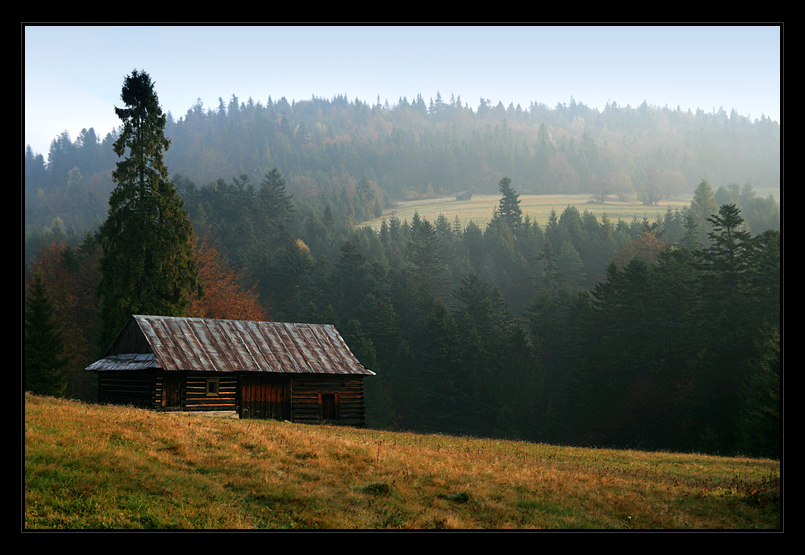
(73,75)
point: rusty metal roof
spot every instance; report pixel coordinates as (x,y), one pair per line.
(201,344)
(128,361)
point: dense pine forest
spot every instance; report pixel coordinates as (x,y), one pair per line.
(661,334)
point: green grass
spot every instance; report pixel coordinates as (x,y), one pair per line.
(104,467)
(538,207)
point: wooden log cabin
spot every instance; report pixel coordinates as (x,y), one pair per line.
(297,372)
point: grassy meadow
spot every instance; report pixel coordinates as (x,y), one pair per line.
(104,467)
(480,208)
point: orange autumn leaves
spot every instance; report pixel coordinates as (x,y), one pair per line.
(71,277)
(225,296)
(647,247)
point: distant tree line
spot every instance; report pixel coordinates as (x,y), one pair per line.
(415,149)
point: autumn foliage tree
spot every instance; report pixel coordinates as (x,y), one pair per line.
(647,246)
(225,294)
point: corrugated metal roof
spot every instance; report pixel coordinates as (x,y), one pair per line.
(126,362)
(201,344)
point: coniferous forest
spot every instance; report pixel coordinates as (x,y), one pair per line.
(662,334)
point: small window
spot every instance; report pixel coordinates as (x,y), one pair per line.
(212,388)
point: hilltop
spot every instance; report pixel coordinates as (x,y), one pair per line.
(105,467)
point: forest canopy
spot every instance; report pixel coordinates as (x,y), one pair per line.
(416,149)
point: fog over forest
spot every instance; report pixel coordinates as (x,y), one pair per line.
(577,330)
(418,148)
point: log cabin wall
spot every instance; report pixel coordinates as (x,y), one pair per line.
(209,392)
(173,390)
(128,388)
(328,399)
(265,396)
(306,399)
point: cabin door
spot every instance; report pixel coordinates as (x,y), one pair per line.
(265,396)
(171,391)
(328,406)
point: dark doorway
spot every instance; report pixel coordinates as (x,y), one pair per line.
(329,406)
(171,391)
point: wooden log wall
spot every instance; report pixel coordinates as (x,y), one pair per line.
(195,396)
(300,399)
(127,388)
(306,392)
(265,396)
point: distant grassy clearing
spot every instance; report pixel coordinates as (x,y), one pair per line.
(538,207)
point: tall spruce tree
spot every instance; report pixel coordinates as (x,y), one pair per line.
(148,265)
(277,206)
(509,205)
(702,207)
(734,318)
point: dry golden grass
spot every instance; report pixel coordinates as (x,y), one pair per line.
(95,467)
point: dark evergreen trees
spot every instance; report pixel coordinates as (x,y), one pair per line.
(147,265)
(758,420)
(702,207)
(277,209)
(443,394)
(680,350)
(509,206)
(350,283)
(289,279)
(425,255)
(741,310)
(44,349)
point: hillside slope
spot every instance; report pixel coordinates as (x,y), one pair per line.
(101,467)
